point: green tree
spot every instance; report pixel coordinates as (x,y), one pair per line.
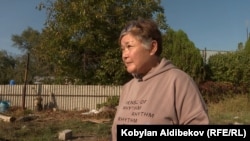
(231,67)
(247,46)
(7,66)
(183,53)
(29,42)
(240,46)
(19,71)
(80,37)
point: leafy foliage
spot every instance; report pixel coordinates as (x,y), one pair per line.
(111,102)
(231,67)
(79,42)
(214,92)
(247,46)
(7,65)
(80,37)
(183,53)
(29,41)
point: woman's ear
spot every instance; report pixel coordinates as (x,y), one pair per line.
(154,47)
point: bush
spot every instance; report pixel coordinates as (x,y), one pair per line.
(216,91)
(112,102)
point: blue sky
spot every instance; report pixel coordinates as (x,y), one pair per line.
(15,17)
(210,24)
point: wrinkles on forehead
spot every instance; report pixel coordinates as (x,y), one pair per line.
(127,43)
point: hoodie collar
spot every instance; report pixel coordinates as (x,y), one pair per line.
(164,65)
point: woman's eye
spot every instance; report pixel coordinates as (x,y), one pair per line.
(129,46)
(126,47)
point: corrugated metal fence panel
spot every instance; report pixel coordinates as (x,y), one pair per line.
(67,97)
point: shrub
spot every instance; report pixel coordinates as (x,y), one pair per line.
(111,102)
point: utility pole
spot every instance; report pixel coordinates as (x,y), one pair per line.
(247,30)
(25,81)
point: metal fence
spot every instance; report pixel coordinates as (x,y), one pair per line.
(67,97)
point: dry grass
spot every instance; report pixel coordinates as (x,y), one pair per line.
(45,125)
(231,110)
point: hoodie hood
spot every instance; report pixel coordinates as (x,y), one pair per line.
(164,65)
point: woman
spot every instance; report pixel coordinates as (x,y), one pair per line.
(159,93)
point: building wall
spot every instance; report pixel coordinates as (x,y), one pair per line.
(207,53)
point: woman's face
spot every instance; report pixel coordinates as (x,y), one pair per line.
(135,57)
